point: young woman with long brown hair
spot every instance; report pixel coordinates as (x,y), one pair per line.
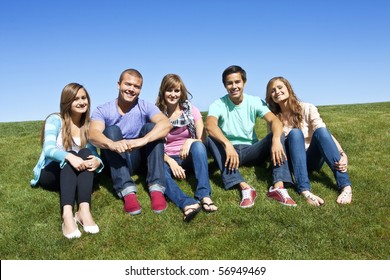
(68,161)
(184,148)
(308,142)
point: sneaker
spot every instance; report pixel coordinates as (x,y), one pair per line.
(248,198)
(131,204)
(159,204)
(281,195)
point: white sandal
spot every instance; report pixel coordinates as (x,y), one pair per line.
(345,196)
(313,199)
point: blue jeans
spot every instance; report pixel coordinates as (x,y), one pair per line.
(322,148)
(125,165)
(249,155)
(197,161)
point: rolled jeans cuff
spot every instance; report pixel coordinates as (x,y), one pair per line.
(127,190)
(157,187)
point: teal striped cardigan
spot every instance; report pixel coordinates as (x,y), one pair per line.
(51,152)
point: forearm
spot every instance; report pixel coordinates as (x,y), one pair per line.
(159,131)
(277,130)
(215,132)
(98,139)
(166,158)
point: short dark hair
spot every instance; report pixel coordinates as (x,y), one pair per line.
(131,72)
(231,70)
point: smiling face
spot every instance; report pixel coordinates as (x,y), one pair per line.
(234,85)
(279,92)
(172,96)
(80,103)
(129,88)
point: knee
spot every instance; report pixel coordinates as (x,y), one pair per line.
(270,135)
(147,128)
(295,132)
(198,147)
(113,132)
(295,135)
(322,133)
(211,141)
(85,153)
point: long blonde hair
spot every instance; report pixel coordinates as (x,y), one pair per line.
(295,119)
(68,95)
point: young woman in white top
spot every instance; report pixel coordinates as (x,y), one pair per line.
(68,161)
(308,142)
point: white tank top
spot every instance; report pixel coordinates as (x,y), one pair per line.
(75,143)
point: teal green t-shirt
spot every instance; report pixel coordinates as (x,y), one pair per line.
(237,122)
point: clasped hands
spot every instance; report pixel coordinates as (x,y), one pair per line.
(90,164)
(127,145)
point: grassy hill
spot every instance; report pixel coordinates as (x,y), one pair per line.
(31,223)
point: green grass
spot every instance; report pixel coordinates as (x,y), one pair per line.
(31,223)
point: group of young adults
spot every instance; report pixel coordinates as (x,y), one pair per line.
(168,140)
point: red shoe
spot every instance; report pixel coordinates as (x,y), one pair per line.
(248,197)
(131,204)
(281,195)
(159,204)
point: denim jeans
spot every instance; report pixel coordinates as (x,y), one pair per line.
(322,149)
(249,155)
(197,161)
(125,165)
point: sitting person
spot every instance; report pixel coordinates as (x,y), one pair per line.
(68,161)
(231,126)
(309,143)
(130,133)
(184,147)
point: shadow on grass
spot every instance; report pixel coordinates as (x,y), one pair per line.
(323,178)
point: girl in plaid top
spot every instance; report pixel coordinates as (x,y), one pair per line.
(184,148)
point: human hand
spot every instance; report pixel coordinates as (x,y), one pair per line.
(77,162)
(185,149)
(178,171)
(120,146)
(232,159)
(136,143)
(342,164)
(92,163)
(278,155)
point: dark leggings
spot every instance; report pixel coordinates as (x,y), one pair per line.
(68,179)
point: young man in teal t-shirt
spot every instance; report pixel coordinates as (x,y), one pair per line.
(230,124)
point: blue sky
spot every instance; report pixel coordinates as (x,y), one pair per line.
(332,52)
